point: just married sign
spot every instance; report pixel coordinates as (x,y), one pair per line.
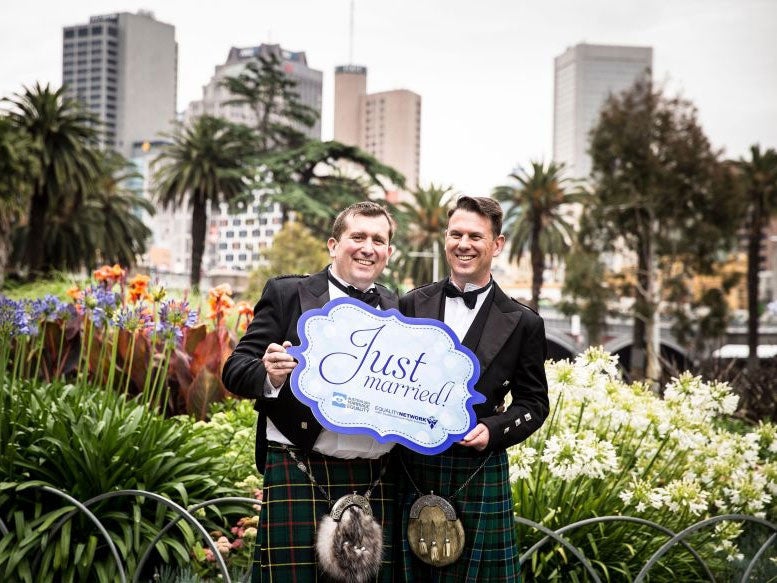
(407,380)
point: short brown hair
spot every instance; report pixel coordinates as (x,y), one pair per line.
(485,207)
(365,208)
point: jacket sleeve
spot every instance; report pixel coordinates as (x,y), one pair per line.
(528,387)
(244,373)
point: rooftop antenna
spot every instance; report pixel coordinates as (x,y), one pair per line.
(350,38)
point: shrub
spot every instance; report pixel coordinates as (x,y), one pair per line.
(88,442)
(609,448)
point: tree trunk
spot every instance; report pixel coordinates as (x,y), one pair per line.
(641,311)
(537,266)
(754,239)
(5,241)
(199,219)
(35,241)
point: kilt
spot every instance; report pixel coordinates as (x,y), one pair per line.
(292,507)
(485,508)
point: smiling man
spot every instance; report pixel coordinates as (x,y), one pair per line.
(335,464)
(508,339)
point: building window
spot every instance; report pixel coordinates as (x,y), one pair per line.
(242,257)
(113,31)
(70,33)
(83,31)
(229,257)
(97,29)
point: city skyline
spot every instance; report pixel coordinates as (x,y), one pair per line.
(485,72)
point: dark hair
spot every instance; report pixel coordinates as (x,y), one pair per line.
(485,207)
(365,208)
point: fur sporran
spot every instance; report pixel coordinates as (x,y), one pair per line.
(349,541)
(434,532)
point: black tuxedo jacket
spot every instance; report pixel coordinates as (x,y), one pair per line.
(283,300)
(511,350)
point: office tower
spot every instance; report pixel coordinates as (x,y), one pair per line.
(585,75)
(124,68)
(236,239)
(385,124)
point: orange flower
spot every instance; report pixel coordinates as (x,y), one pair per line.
(108,274)
(244,314)
(75,293)
(220,301)
(138,288)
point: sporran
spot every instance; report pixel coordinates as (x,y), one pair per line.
(434,532)
(349,541)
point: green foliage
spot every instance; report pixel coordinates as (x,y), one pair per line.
(612,449)
(275,101)
(319,179)
(91,442)
(294,250)
(662,194)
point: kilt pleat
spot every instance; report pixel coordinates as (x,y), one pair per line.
(292,508)
(485,508)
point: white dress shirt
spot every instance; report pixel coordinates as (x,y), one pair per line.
(458,316)
(331,443)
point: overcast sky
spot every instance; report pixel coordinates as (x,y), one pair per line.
(484,68)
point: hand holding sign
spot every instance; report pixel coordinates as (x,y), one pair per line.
(401,379)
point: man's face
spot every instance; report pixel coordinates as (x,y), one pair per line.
(469,248)
(362,251)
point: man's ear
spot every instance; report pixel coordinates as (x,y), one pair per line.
(500,244)
(331,245)
(390,251)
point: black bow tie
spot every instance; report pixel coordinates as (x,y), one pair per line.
(470,297)
(370,297)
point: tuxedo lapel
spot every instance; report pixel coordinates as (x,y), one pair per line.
(503,318)
(427,301)
(314,291)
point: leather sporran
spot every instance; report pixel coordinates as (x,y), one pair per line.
(349,541)
(434,532)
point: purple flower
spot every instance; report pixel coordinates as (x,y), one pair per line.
(100,303)
(174,316)
(14,320)
(134,319)
(47,309)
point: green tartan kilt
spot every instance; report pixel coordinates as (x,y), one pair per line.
(292,508)
(485,508)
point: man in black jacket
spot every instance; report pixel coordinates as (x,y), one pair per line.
(260,369)
(508,339)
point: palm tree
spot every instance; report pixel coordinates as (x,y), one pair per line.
(535,217)
(62,136)
(115,211)
(759,179)
(15,163)
(423,220)
(207,163)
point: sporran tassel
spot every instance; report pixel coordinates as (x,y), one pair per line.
(422,548)
(435,554)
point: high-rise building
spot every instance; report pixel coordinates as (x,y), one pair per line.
(585,75)
(385,124)
(124,68)
(237,237)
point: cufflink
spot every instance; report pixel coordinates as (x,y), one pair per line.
(304,425)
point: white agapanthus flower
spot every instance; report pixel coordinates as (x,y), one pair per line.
(522,460)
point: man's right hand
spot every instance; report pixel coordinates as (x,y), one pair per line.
(278,363)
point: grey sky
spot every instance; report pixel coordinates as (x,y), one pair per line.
(484,69)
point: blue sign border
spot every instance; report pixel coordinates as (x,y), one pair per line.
(298,353)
